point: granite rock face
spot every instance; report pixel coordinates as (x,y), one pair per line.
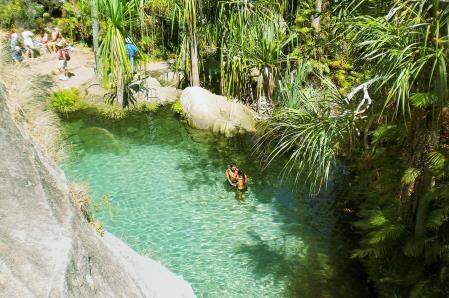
(208,111)
(47,249)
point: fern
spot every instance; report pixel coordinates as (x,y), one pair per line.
(386,133)
(413,247)
(410,175)
(438,217)
(423,100)
(378,219)
(389,232)
(437,161)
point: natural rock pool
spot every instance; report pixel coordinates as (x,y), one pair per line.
(168,199)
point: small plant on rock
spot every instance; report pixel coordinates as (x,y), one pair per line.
(177,107)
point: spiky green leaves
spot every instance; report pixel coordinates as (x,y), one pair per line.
(309,135)
(423,100)
(115,66)
(406,51)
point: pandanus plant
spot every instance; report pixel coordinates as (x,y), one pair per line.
(115,67)
(253,42)
(186,14)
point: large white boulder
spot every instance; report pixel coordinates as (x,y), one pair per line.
(205,110)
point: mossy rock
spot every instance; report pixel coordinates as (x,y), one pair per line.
(101,140)
(73,128)
(201,136)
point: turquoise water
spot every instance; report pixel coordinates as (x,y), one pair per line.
(167,198)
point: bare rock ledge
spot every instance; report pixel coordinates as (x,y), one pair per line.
(47,249)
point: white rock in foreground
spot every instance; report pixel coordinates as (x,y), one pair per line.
(47,249)
(205,110)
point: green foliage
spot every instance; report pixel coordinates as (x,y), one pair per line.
(310,134)
(410,175)
(146,107)
(177,107)
(17,13)
(112,112)
(387,133)
(423,100)
(76,20)
(405,59)
(114,63)
(254,40)
(67,101)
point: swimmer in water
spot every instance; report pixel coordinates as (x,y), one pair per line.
(231,175)
(242,185)
(242,181)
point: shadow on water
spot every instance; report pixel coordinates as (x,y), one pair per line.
(320,268)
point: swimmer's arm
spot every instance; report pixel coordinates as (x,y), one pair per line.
(229,179)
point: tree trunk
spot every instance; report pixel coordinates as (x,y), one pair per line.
(316,18)
(194,64)
(120,93)
(266,74)
(142,18)
(190,16)
(424,139)
(95,34)
(427,180)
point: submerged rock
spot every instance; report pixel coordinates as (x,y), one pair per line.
(100,139)
(205,110)
(47,249)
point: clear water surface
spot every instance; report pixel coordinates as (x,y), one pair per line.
(168,199)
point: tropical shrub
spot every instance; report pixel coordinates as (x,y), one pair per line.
(67,101)
(176,107)
(20,13)
(115,66)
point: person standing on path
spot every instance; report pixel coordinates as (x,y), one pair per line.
(63,58)
(131,51)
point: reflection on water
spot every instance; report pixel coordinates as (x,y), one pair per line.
(166,183)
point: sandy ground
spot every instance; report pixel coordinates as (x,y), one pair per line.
(80,67)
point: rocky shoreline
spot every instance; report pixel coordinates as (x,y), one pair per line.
(47,247)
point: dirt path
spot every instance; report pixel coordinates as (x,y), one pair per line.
(80,66)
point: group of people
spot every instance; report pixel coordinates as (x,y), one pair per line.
(236,178)
(25,45)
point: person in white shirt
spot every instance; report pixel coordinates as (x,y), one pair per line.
(28,43)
